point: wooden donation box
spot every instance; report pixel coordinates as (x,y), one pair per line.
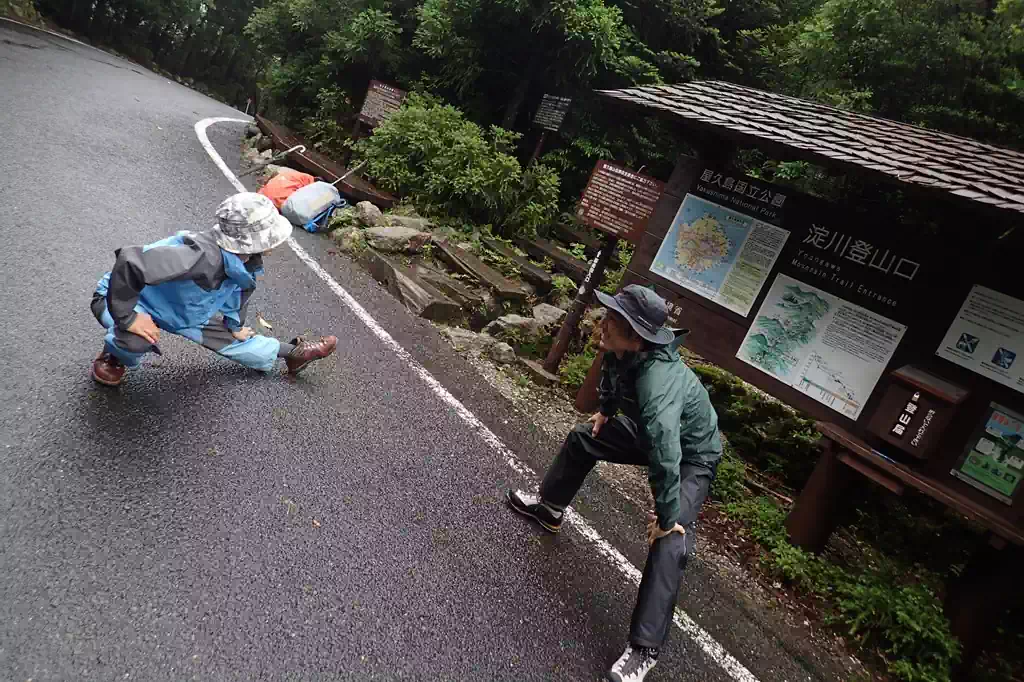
(915,409)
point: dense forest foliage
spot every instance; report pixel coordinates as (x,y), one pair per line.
(947,64)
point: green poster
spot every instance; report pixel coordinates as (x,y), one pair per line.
(994,461)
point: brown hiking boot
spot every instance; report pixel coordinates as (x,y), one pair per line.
(307,351)
(108,370)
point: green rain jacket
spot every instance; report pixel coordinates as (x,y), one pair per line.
(673,414)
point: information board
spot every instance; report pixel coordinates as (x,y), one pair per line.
(381,101)
(719,253)
(829,349)
(618,201)
(994,459)
(987,337)
(551,112)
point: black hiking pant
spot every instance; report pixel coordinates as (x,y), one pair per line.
(666,560)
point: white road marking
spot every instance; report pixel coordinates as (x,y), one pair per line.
(705,641)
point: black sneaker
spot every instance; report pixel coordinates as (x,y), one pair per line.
(634,664)
(530,505)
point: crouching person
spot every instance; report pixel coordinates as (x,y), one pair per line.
(667,423)
(197,285)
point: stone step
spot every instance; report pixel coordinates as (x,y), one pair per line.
(466,263)
(574,268)
(538,277)
(451,288)
(416,294)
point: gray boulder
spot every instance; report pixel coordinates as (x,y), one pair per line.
(513,325)
(502,352)
(394,239)
(464,340)
(548,315)
(369,215)
(416,223)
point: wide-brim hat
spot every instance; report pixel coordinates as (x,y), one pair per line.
(249,223)
(645,311)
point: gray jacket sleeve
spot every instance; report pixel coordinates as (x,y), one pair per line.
(135,269)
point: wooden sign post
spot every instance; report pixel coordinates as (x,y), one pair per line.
(549,117)
(617,202)
(382,100)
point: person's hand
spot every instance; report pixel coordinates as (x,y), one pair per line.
(598,420)
(654,531)
(144,326)
(243,334)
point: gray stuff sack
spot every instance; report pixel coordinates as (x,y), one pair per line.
(306,203)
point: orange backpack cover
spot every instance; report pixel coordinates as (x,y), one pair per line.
(284,184)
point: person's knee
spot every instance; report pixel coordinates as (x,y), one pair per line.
(670,551)
(582,432)
(132,343)
(578,439)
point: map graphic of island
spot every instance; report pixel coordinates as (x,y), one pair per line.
(702,244)
(780,333)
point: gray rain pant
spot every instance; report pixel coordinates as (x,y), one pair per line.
(666,560)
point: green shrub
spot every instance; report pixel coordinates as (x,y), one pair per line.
(563,286)
(346,217)
(728,486)
(903,622)
(447,165)
(323,128)
(613,278)
(762,430)
(574,368)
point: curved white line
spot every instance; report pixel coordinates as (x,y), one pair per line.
(705,641)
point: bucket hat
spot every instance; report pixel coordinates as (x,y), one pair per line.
(249,223)
(645,311)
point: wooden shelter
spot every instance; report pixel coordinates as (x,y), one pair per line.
(902,342)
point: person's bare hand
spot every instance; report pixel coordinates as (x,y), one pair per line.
(243,334)
(598,420)
(654,531)
(144,326)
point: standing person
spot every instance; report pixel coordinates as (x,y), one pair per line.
(668,425)
(197,285)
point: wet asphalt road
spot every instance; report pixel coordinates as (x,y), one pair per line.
(205,522)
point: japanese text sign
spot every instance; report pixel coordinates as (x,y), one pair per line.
(551,112)
(618,201)
(381,101)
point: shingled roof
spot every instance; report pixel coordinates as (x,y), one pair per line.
(961,166)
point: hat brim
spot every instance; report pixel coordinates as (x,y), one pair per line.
(264,240)
(662,336)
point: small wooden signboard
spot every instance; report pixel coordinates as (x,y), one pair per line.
(381,101)
(915,409)
(618,201)
(551,112)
